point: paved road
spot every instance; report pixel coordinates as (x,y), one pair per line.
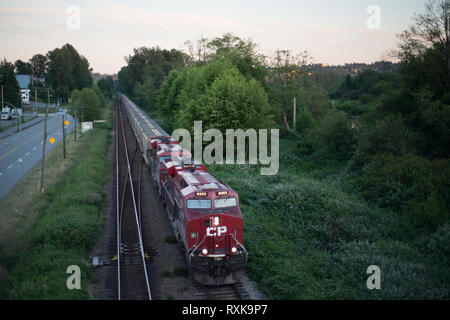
(32,120)
(7,123)
(27,146)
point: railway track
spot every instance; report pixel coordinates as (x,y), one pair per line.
(132,272)
(225,292)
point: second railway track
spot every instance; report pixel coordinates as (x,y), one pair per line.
(132,270)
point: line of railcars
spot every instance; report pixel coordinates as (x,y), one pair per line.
(203,213)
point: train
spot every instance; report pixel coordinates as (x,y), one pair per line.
(203,213)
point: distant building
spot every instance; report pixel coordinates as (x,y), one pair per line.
(24,81)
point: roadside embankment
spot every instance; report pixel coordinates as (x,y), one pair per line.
(41,235)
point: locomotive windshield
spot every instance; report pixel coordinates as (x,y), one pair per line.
(198,204)
(224,203)
(162,159)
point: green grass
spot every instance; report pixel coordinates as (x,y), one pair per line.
(71,216)
(309,238)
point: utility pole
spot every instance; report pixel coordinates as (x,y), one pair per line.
(64,136)
(35,100)
(75,124)
(295,111)
(41,182)
(76,107)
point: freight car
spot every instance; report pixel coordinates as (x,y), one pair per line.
(203,213)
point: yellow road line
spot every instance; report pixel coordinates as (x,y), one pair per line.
(33,137)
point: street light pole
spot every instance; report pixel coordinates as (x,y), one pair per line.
(35,100)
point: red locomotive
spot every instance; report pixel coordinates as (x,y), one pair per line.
(204,215)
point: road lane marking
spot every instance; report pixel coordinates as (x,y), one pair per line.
(26,154)
(10,166)
(34,148)
(32,138)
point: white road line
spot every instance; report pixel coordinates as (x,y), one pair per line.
(1,174)
(10,166)
(34,148)
(26,154)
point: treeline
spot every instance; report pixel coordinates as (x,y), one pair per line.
(64,74)
(61,70)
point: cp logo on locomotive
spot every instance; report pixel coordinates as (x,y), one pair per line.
(211,231)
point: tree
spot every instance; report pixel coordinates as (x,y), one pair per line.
(67,70)
(429,39)
(22,67)
(111,83)
(90,98)
(11,88)
(148,67)
(200,52)
(230,102)
(286,79)
(38,65)
(242,54)
(216,93)
(105,88)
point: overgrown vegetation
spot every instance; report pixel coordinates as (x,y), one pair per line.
(308,237)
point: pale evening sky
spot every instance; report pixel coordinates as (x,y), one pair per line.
(335,32)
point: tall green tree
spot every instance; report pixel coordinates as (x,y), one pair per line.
(67,70)
(11,90)
(22,67)
(424,48)
(38,65)
(216,93)
(423,96)
(105,88)
(147,69)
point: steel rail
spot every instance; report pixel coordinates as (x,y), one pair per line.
(135,209)
(117,202)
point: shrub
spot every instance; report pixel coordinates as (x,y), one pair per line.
(333,137)
(389,135)
(89,98)
(411,183)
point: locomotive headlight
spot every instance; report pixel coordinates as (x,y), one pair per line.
(205,251)
(216,221)
(234,249)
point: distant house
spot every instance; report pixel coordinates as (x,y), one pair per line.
(24,81)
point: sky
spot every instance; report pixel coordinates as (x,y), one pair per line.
(105,31)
